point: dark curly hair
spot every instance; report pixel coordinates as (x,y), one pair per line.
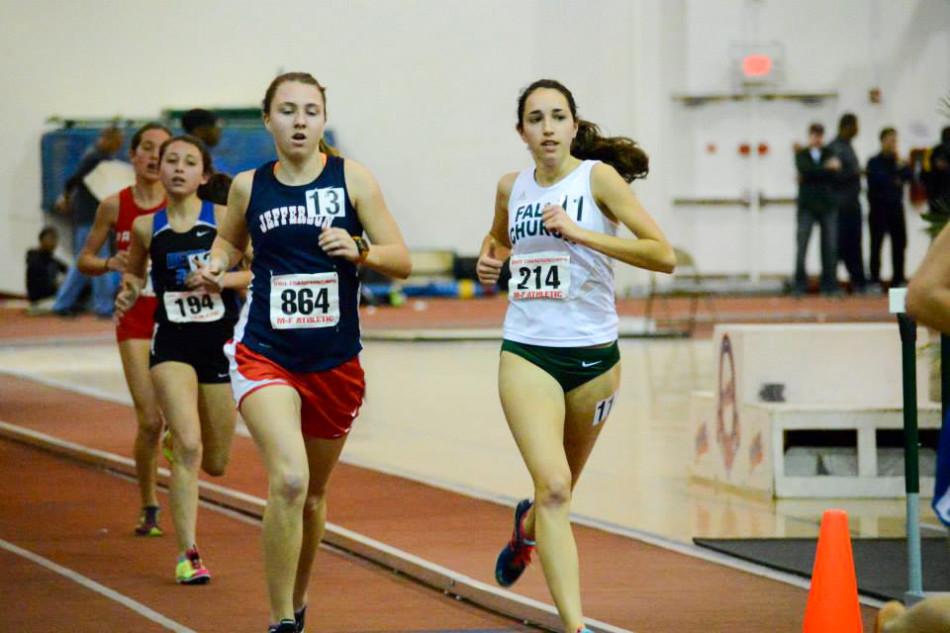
(620,152)
(207,166)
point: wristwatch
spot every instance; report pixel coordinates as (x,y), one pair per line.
(362,247)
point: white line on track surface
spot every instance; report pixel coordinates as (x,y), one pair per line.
(102,590)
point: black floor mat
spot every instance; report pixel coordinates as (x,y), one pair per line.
(880,563)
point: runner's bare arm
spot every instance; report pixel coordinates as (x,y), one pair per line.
(496,247)
(133,279)
(388,253)
(232,239)
(89,262)
(649,249)
(928,295)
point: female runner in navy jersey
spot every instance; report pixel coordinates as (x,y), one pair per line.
(295,356)
(560,364)
(194,318)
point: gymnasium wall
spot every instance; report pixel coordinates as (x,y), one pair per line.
(844,47)
(423,91)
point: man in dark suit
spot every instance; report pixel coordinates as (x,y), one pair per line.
(887,175)
(937,176)
(847,188)
(817,168)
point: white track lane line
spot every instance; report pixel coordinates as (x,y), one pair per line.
(102,590)
(657,540)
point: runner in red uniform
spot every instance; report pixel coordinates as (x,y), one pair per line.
(134,330)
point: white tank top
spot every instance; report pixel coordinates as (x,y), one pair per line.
(561,294)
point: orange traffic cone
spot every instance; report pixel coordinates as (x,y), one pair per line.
(833,598)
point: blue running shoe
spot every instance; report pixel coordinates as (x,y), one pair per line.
(300,618)
(516,555)
(284,626)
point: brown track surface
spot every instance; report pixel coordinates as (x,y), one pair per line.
(78,517)
(489,312)
(626,582)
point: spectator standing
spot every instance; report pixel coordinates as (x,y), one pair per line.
(817,168)
(848,191)
(936,176)
(886,176)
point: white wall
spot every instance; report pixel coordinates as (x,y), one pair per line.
(423,91)
(847,47)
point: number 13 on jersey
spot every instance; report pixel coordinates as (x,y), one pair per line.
(304,301)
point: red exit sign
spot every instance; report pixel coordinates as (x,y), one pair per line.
(757,66)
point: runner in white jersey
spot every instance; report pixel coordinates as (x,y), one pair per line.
(560,364)
(561,293)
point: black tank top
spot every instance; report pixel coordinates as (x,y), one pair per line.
(174,255)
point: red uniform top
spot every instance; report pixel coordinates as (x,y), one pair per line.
(128,211)
(138,322)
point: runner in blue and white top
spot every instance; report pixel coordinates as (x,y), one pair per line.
(194,318)
(560,365)
(295,367)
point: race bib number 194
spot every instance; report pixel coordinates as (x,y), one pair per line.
(193,306)
(304,301)
(540,276)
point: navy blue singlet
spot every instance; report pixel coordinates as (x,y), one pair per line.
(174,255)
(302,308)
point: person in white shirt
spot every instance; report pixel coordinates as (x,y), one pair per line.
(560,364)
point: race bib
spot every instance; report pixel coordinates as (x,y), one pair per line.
(193,306)
(540,276)
(327,202)
(304,301)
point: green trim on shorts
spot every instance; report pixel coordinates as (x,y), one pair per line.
(571,367)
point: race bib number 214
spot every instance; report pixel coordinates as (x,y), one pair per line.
(540,276)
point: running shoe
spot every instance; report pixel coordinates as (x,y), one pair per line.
(148,522)
(300,617)
(190,570)
(168,446)
(516,555)
(284,626)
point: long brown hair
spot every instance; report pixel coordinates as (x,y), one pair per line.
(620,152)
(303,78)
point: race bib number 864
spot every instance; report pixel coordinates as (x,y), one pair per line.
(304,301)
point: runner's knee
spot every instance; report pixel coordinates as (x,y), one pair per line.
(289,486)
(554,490)
(214,463)
(149,421)
(188,452)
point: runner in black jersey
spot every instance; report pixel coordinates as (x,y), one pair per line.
(295,360)
(193,320)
